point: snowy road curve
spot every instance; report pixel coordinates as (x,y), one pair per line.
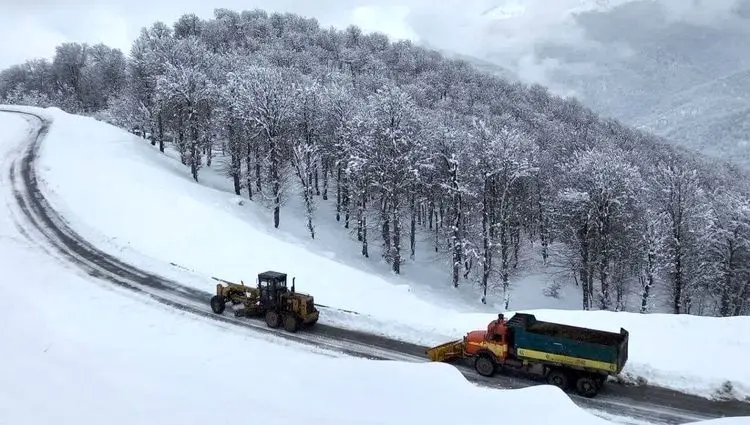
(643,404)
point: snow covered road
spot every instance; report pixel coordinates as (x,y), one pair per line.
(643,404)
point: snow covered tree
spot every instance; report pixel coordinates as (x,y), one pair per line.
(504,163)
(395,127)
(267,95)
(186,86)
(594,210)
(306,146)
(396,159)
(730,246)
(682,200)
(149,55)
(653,239)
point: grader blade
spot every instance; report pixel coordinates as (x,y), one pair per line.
(446,352)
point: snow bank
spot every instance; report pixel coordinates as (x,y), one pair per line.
(79,351)
(111,183)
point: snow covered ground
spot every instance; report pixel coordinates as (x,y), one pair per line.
(124,196)
(79,351)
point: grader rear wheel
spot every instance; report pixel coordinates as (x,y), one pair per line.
(272,319)
(291,323)
(218,303)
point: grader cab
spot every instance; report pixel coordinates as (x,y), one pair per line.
(270,298)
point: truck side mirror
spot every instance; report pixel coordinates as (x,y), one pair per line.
(293,284)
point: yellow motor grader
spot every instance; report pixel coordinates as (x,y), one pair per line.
(270,297)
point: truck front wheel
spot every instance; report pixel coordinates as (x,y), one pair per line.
(484,365)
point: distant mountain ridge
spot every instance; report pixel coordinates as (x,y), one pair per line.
(712,118)
(681,73)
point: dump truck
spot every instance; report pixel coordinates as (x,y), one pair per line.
(568,357)
(270,298)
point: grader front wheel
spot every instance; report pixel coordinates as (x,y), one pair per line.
(218,303)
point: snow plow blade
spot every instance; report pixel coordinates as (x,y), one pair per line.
(445,352)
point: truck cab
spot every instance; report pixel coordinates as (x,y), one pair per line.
(489,347)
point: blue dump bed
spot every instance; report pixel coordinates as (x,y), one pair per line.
(555,343)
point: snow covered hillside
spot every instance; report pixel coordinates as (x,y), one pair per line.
(132,201)
(76,351)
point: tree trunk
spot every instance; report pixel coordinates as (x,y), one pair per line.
(275,182)
(386,229)
(396,220)
(195,156)
(604,257)
(309,186)
(430,212)
(677,280)
(516,242)
(742,298)
(728,290)
(437,235)
(325,179)
(308,194)
(249,172)
(543,227)
(583,238)
(457,219)
(486,238)
(420,214)
(504,263)
(235,159)
(315,176)
(181,138)
(209,143)
(649,279)
(258,180)
(363,210)
(413,227)
(338,192)
(161,132)
(346,198)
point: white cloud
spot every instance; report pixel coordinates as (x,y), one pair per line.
(509,29)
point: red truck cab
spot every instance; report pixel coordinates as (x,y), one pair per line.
(489,347)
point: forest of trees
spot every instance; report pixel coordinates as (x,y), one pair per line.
(413,146)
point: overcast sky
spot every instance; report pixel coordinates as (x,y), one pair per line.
(510,29)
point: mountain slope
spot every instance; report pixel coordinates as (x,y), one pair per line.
(144,208)
(712,118)
(77,352)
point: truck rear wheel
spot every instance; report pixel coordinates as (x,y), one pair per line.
(218,303)
(558,378)
(484,365)
(587,386)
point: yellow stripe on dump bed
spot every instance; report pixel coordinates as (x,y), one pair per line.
(572,361)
